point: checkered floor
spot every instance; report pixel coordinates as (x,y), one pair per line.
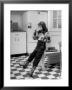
(17,71)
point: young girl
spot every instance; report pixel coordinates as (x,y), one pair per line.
(40,35)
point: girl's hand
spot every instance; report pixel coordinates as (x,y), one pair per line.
(35,35)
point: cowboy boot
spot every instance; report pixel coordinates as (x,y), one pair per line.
(25,64)
(32,71)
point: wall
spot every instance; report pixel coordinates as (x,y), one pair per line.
(17,17)
(55,34)
(25,20)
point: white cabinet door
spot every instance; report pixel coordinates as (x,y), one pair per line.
(18,42)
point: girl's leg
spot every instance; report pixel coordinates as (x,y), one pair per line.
(32,55)
(36,60)
(38,57)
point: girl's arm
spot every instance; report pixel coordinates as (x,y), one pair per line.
(35,35)
(47,37)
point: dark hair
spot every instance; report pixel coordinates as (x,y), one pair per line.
(44,28)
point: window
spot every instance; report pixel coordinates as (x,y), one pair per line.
(56,19)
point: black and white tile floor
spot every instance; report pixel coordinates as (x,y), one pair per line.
(17,71)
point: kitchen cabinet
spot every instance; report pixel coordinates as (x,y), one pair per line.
(17,42)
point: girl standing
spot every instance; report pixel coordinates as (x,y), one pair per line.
(41,35)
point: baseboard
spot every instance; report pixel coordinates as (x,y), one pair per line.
(21,54)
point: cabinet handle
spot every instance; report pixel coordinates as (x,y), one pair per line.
(17,39)
(17,34)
